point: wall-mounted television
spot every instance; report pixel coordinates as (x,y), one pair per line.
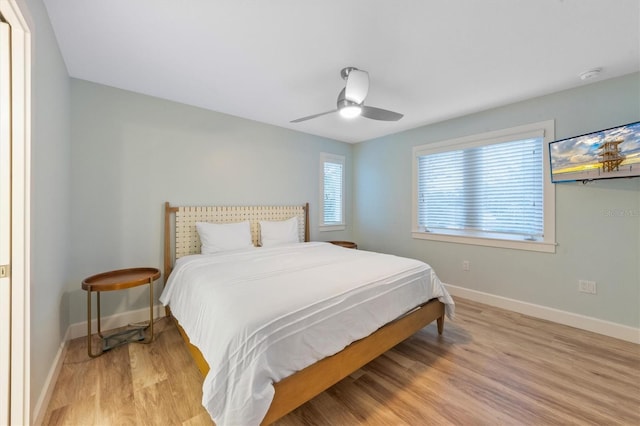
(605,154)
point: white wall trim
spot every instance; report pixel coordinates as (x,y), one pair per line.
(40,408)
(121,319)
(78,330)
(18,16)
(607,328)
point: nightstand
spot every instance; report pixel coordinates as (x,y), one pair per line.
(345,244)
(119,280)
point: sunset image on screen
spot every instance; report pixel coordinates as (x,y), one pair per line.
(607,153)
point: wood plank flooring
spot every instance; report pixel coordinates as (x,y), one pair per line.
(490,367)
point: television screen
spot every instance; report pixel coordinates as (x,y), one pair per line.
(610,153)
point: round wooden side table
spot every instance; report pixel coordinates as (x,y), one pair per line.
(119,280)
(345,244)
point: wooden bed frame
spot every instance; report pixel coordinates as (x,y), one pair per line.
(302,386)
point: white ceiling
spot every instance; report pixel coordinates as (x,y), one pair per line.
(275,61)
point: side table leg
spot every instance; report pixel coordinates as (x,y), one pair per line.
(99,326)
(91,354)
(150,339)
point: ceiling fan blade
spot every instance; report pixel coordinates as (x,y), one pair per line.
(313,116)
(380,114)
(357,86)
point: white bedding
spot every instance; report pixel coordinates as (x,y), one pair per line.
(261,314)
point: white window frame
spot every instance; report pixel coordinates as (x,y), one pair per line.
(548,242)
(338,159)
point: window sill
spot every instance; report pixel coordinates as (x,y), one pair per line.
(325,228)
(539,246)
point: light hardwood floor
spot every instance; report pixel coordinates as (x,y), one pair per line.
(490,367)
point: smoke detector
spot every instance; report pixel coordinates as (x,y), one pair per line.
(590,74)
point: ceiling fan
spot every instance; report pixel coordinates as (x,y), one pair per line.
(351,99)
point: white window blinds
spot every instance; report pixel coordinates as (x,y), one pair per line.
(332,191)
(494,188)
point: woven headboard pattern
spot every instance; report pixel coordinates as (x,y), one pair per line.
(186,235)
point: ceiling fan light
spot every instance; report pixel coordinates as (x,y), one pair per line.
(350,111)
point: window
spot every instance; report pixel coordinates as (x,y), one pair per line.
(490,189)
(331,192)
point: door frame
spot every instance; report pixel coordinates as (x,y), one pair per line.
(15,14)
(5,219)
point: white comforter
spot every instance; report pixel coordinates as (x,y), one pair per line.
(259,315)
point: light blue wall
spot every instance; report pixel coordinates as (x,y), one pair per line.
(50,196)
(593,244)
(131,153)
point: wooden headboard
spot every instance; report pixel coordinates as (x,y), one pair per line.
(185,235)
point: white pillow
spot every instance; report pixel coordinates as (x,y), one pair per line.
(217,237)
(273,233)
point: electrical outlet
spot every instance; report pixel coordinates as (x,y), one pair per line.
(585,286)
(465,265)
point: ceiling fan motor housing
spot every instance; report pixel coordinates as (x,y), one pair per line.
(344,102)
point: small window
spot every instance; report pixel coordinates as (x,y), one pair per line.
(489,189)
(331,192)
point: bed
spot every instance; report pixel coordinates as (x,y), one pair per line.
(280,319)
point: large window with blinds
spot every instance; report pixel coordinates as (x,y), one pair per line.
(490,189)
(332,192)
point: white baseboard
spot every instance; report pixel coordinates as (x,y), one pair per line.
(80,330)
(40,408)
(607,328)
